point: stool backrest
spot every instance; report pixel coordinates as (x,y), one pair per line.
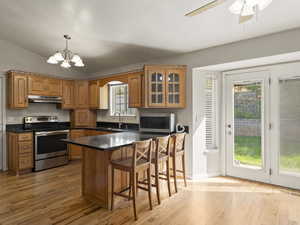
(179,142)
(162,146)
(142,151)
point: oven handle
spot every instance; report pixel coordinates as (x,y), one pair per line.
(48,133)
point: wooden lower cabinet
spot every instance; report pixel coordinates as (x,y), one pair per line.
(75,151)
(20,152)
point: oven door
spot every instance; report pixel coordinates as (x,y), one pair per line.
(48,144)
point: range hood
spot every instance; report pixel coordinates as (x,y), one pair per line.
(44,99)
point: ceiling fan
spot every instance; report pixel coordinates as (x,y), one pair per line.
(246,9)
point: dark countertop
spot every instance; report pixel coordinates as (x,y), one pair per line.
(112,141)
(101,126)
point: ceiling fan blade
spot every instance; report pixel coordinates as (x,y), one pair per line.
(205,7)
(244,19)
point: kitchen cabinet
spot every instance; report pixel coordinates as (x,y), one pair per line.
(75,151)
(94,94)
(98,95)
(68,92)
(175,88)
(44,86)
(17,90)
(81,94)
(83,118)
(54,87)
(20,152)
(37,85)
(135,90)
(165,86)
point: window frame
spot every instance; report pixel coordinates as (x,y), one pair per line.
(130,112)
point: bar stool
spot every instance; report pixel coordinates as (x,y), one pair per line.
(140,162)
(178,150)
(160,157)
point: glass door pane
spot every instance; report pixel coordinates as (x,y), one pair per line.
(248,117)
(289,128)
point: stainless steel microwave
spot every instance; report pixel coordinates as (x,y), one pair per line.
(157,122)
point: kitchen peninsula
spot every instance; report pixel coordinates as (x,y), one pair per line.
(97,153)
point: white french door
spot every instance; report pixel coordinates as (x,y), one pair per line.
(247,121)
(285,138)
(263,127)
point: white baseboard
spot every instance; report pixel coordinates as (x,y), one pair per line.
(204,176)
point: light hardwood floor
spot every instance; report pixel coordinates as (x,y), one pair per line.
(53,197)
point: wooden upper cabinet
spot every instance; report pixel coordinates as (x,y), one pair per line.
(135,90)
(44,86)
(54,87)
(82,94)
(165,86)
(68,92)
(17,90)
(37,85)
(156,78)
(94,94)
(175,88)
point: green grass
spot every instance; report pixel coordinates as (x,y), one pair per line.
(248,152)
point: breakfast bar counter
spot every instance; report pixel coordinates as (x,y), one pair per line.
(97,153)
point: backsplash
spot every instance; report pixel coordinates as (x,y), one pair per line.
(104,116)
(34,109)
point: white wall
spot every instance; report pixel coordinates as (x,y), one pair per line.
(279,43)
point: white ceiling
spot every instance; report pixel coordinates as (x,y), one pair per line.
(119,32)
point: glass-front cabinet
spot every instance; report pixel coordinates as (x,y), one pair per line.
(157,88)
(166,86)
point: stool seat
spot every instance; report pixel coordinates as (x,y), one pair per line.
(127,164)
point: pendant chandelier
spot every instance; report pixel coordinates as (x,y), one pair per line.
(66,57)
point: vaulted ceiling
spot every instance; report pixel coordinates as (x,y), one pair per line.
(114,33)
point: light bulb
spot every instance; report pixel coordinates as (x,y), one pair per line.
(79,64)
(65,64)
(52,60)
(75,59)
(58,56)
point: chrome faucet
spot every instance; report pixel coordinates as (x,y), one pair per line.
(120,123)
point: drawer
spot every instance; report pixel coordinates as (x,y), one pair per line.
(25,161)
(25,147)
(25,136)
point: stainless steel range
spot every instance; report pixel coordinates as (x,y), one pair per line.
(49,150)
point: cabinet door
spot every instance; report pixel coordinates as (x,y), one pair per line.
(54,87)
(156,87)
(175,88)
(17,91)
(81,94)
(75,151)
(36,85)
(68,94)
(134,90)
(93,94)
(83,118)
